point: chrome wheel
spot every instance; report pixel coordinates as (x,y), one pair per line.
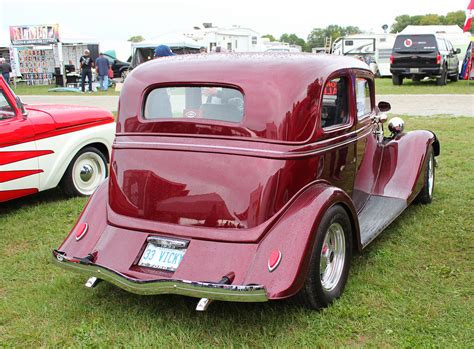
(88,172)
(430,175)
(333,254)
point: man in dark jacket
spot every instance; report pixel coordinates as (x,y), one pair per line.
(5,70)
(86,69)
(102,68)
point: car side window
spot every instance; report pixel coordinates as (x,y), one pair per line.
(6,109)
(335,106)
(364,104)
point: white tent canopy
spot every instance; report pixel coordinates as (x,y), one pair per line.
(432,29)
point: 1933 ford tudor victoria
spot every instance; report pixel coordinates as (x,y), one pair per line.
(247,178)
(42,146)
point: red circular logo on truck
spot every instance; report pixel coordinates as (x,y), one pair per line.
(408,42)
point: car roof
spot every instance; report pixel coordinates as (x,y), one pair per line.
(278,87)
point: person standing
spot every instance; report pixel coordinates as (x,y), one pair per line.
(5,69)
(86,69)
(102,68)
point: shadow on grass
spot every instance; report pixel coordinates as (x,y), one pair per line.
(44,197)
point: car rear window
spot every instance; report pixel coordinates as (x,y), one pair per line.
(415,43)
(195,102)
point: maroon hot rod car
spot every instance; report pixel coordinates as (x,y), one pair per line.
(247,178)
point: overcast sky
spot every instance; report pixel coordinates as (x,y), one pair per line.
(118,19)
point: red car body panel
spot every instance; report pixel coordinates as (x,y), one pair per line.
(239,191)
(31,142)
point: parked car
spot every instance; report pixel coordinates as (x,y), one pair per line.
(43,146)
(247,178)
(423,55)
(120,68)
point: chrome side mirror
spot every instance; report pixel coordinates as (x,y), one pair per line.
(396,125)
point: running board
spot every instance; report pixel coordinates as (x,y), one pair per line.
(377,214)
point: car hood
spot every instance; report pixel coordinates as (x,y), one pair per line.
(72,115)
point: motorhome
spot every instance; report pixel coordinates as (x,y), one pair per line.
(375,49)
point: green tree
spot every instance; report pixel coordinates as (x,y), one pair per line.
(456,18)
(269,36)
(136,38)
(431,19)
(317,37)
(293,39)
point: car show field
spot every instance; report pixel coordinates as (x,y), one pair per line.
(411,288)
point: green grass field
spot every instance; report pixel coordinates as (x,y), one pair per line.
(412,287)
(384,86)
(22,90)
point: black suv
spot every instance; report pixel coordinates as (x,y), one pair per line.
(419,56)
(119,67)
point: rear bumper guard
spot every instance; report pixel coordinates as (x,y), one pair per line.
(215,291)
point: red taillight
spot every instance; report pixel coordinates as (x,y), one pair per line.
(81,231)
(438,58)
(274,260)
(391,59)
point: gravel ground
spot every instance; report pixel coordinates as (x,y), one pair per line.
(458,105)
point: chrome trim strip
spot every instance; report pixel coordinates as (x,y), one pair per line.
(222,292)
(242,150)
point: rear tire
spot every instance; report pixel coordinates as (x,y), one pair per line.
(455,77)
(87,170)
(397,79)
(330,260)
(426,194)
(443,79)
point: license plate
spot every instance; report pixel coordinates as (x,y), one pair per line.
(164,254)
(414,70)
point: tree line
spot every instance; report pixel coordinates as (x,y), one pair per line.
(317,37)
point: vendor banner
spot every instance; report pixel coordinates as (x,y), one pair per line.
(34,34)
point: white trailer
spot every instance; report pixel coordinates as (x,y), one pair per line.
(374,48)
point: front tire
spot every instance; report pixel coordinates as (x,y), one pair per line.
(426,194)
(124,74)
(443,79)
(87,170)
(330,260)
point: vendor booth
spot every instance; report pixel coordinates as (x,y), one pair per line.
(39,57)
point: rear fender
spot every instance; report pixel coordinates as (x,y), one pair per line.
(294,235)
(95,215)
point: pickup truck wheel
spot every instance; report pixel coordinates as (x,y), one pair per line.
(397,79)
(426,194)
(443,79)
(455,77)
(87,170)
(330,260)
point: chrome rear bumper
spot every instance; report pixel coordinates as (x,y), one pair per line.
(215,291)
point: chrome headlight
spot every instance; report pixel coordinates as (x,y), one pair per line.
(396,125)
